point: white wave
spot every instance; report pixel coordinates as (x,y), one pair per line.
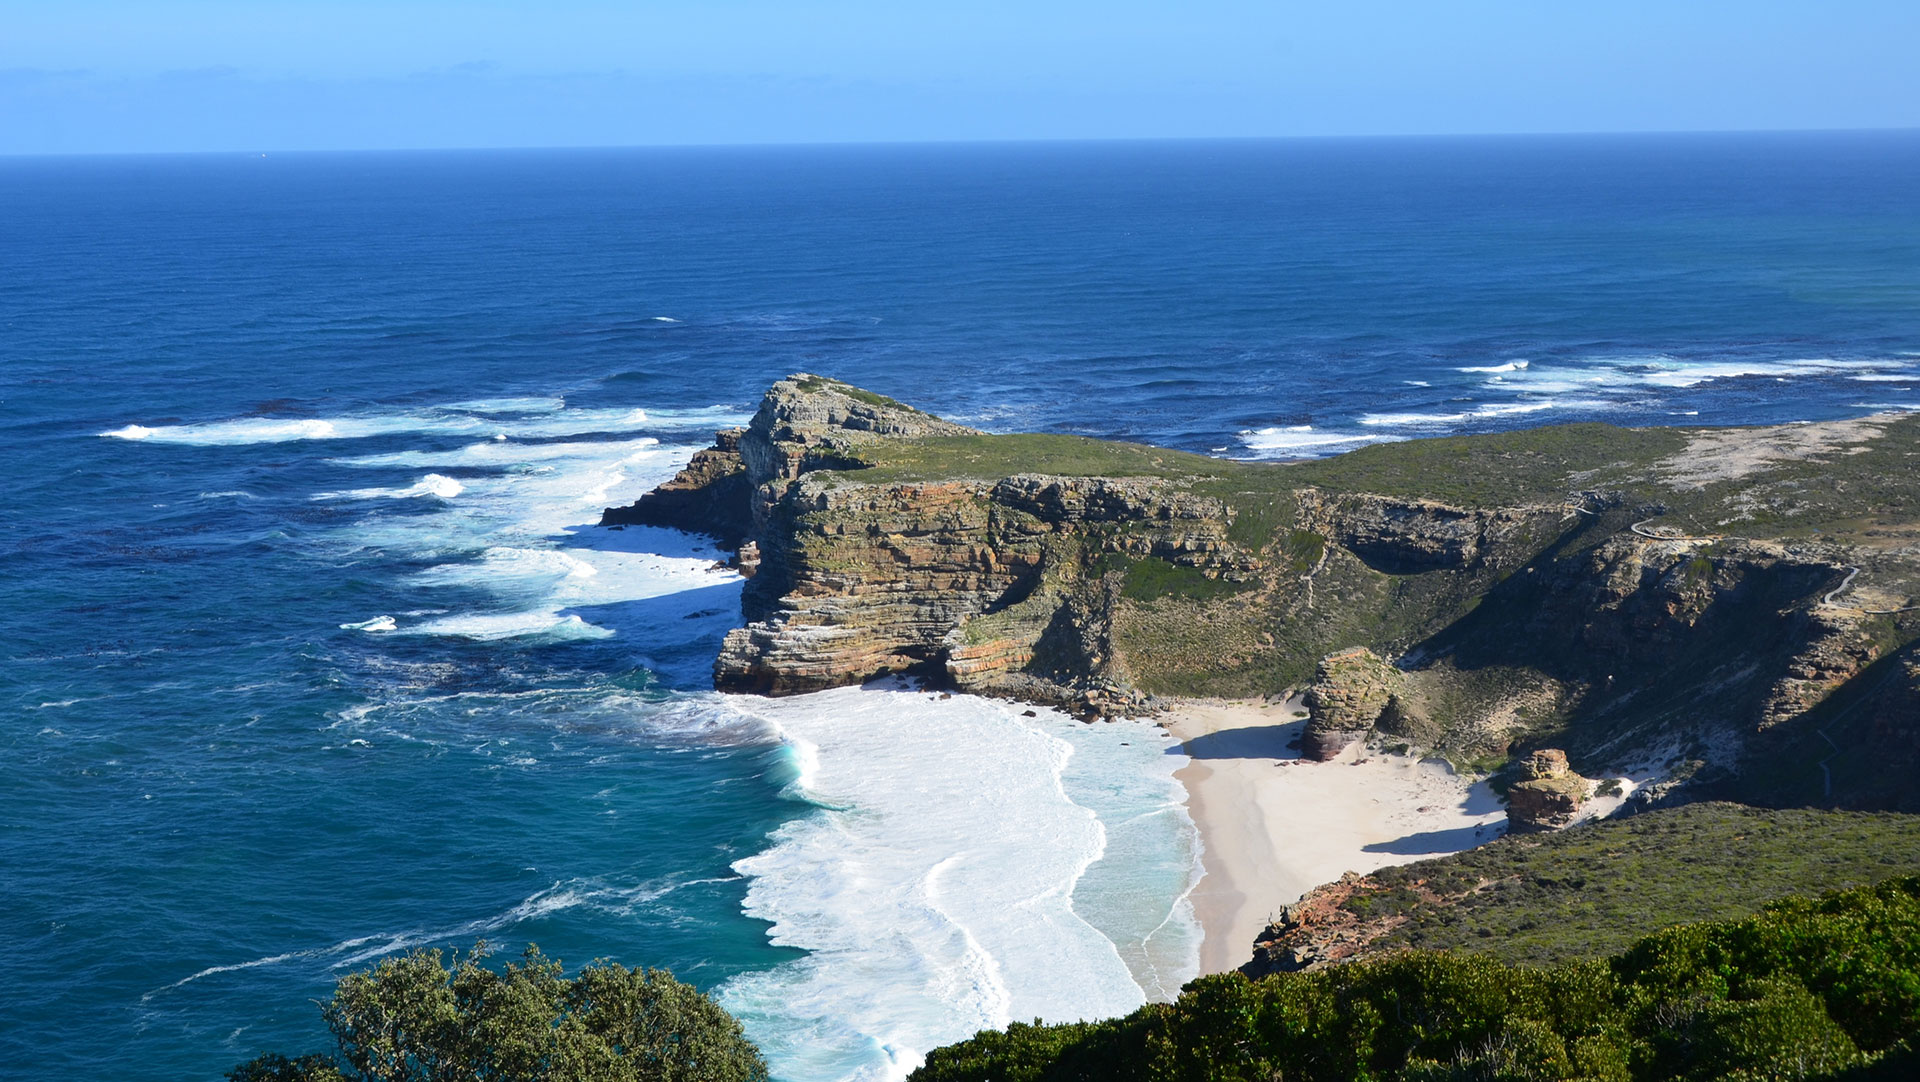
(362,949)
(537,404)
(1481,412)
(1411,420)
(1282,439)
(492,626)
(1886,377)
(936,888)
(232,494)
(482,416)
(499,453)
(1510,366)
(378,623)
(665,319)
(1506,409)
(436,485)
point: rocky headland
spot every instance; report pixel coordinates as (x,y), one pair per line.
(1733,604)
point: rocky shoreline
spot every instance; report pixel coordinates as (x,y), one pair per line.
(1714,604)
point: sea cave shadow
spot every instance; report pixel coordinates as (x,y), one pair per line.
(1437,842)
(1280,741)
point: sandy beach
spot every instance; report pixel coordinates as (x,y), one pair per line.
(1275,825)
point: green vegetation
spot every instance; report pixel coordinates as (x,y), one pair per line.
(416,1019)
(1149,578)
(989,458)
(1825,989)
(1546,898)
(816,384)
(1499,468)
(1856,492)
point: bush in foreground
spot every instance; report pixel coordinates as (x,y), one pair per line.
(417,1019)
(1807,990)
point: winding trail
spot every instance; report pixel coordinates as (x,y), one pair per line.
(1842,588)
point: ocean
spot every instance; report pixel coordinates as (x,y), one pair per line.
(311,653)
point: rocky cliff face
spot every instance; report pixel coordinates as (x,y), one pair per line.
(1599,589)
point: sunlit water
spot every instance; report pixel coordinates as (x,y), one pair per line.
(311,653)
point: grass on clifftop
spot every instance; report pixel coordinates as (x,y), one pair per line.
(1860,491)
(1500,468)
(1594,889)
(989,458)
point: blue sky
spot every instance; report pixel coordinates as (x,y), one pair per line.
(152,75)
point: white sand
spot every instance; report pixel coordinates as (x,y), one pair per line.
(1275,825)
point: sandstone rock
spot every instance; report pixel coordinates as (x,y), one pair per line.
(1349,694)
(711,496)
(1548,796)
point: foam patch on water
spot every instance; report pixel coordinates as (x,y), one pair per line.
(937,884)
(1303,441)
(519,525)
(493,418)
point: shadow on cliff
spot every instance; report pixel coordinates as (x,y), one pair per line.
(1248,742)
(675,634)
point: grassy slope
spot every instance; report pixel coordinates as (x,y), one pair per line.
(1595,889)
(1845,496)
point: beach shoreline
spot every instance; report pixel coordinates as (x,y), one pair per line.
(1274,825)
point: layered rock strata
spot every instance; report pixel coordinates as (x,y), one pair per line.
(1350,693)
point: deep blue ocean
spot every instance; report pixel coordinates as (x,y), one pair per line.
(310,654)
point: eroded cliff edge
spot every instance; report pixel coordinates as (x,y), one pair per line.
(1735,601)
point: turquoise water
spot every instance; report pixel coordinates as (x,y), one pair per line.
(310,656)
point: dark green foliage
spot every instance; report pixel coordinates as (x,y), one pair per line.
(1807,990)
(416,1019)
(1594,889)
(273,1067)
(1150,578)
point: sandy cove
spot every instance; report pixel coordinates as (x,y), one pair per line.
(1275,825)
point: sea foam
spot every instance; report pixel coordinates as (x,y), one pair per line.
(937,884)
(1301,441)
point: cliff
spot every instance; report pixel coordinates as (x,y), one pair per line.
(1722,598)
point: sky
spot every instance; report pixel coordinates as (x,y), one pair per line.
(116,76)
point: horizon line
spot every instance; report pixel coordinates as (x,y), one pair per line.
(799,144)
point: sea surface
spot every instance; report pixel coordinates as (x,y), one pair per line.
(310,652)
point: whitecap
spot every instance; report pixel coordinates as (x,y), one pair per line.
(494,626)
(377,623)
(436,485)
(1400,420)
(1510,366)
(1301,440)
(533,404)
(483,416)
